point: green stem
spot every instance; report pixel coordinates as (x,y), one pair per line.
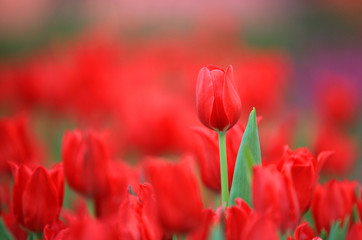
(223,170)
(91,207)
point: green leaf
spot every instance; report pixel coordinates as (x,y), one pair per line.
(338,233)
(216,233)
(4,233)
(249,155)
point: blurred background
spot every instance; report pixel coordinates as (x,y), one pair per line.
(130,67)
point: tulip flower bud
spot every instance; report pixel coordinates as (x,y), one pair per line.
(86,162)
(218,104)
(37,195)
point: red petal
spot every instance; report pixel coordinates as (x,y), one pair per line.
(204,96)
(40,201)
(231,99)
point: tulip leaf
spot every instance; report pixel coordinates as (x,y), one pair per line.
(216,233)
(249,155)
(4,233)
(337,232)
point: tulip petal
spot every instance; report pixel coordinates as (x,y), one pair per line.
(40,201)
(57,176)
(231,99)
(21,175)
(204,96)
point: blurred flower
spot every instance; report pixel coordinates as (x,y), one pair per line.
(207,151)
(236,218)
(137,216)
(203,231)
(355,232)
(86,162)
(343,146)
(218,104)
(305,232)
(260,226)
(16,144)
(274,195)
(333,201)
(261,80)
(301,166)
(120,177)
(177,194)
(338,100)
(37,195)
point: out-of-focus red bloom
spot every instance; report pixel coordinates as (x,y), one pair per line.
(338,100)
(177,194)
(207,151)
(137,216)
(86,162)
(155,126)
(51,231)
(305,232)
(274,195)
(333,201)
(262,79)
(236,219)
(274,138)
(120,177)
(16,144)
(37,195)
(355,233)
(344,147)
(218,104)
(302,167)
(7,213)
(203,232)
(260,226)
(359,203)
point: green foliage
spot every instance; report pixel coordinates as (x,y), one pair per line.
(249,155)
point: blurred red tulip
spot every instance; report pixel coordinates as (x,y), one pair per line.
(177,194)
(338,100)
(260,227)
(344,147)
(304,232)
(37,195)
(302,167)
(203,231)
(333,201)
(207,151)
(218,104)
(274,195)
(137,216)
(236,218)
(16,144)
(86,162)
(120,178)
(355,233)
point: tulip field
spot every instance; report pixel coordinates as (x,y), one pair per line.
(165,120)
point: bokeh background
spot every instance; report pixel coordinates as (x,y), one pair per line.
(130,67)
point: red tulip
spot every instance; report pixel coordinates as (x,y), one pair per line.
(203,232)
(236,218)
(302,167)
(344,147)
(37,195)
(137,216)
(207,151)
(218,104)
(120,177)
(333,201)
(274,195)
(16,144)
(177,194)
(355,233)
(86,162)
(304,232)
(260,227)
